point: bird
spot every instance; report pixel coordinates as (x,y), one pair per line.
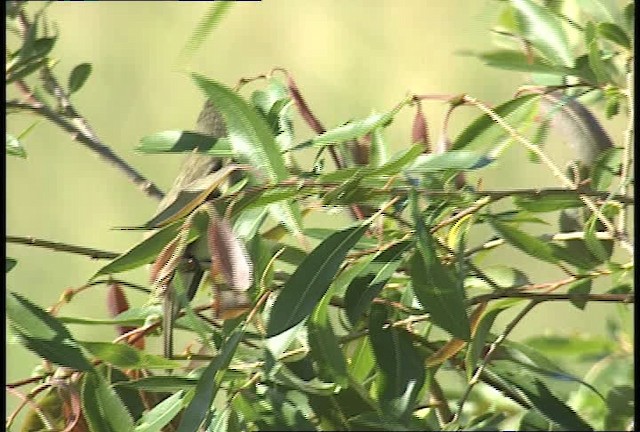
(194,167)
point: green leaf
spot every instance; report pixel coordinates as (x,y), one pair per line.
(14,148)
(361,360)
(252,140)
(44,334)
(161,414)
(583,346)
(397,162)
(434,285)
(168,384)
(402,367)
(10,263)
(526,243)
(518,61)
(102,408)
(597,64)
(125,356)
(209,384)
(379,148)
(454,159)
(614,34)
(594,245)
(205,26)
(547,203)
(605,168)
(579,291)
(366,286)
(142,253)
(311,279)
(324,345)
(548,404)
(78,77)
(40,48)
(483,131)
(544,30)
(480,338)
(175,141)
(601,10)
(356,129)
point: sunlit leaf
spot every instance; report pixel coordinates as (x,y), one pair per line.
(175,141)
(102,408)
(453,160)
(525,242)
(518,61)
(252,142)
(125,356)
(483,131)
(14,148)
(544,30)
(210,19)
(161,414)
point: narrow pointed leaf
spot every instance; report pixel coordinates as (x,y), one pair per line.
(544,30)
(168,384)
(208,385)
(453,160)
(368,284)
(434,285)
(160,415)
(125,356)
(252,142)
(401,366)
(310,281)
(518,61)
(324,345)
(205,27)
(142,253)
(229,255)
(44,334)
(526,243)
(548,404)
(103,409)
(483,131)
(356,129)
(176,141)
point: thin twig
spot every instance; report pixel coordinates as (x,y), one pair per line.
(62,247)
(93,144)
(487,357)
(607,298)
(564,236)
(554,169)
(627,148)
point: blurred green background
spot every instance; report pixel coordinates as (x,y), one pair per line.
(347,58)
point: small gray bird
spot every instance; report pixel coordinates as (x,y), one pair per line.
(195,166)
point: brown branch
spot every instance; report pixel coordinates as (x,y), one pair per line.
(540,297)
(62,247)
(81,131)
(93,144)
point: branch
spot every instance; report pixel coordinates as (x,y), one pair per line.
(92,144)
(81,131)
(485,361)
(62,247)
(609,298)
